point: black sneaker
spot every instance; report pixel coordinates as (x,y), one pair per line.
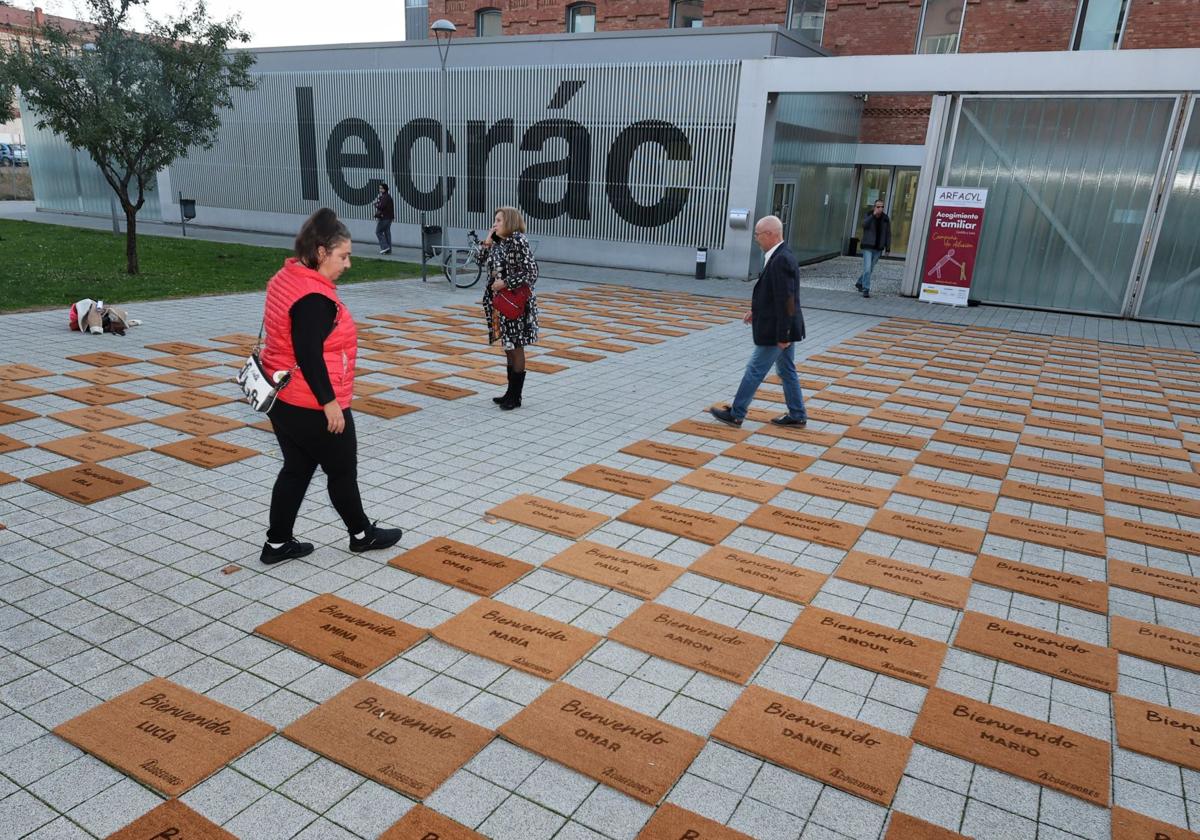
(866,293)
(290,550)
(858,285)
(375,538)
(786,420)
(725,416)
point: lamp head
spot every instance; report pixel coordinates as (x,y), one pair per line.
(442,27)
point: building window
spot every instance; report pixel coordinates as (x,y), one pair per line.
(687,14)
(807,18)
(1099,24)
(487,23)
(581,18)
(941,26)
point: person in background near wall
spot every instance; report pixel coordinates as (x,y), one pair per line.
(310,333)
(778,323)
(385,212)
(512,274)
(876,241)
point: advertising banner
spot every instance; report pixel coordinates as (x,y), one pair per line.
(952,245)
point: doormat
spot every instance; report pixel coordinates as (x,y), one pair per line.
(342,634)
(460,565)
(1159,536)
(851,492)
(410,371)
(13,373)
(697,525)
(1055,424)
(804,526)
(1026,747)
(97,395)
(841,752)
(925,403)
(172,819)
(489,377)
(709,430)
(907,418)
(759,574)
(236,338)
(379,407)
(630,752)
(363,388)
(886,438)
(985,444)
(192,400)
(678,455)
(876,647)
(188,379)
(1149,499)
(1039,650)
(95,419)
(440,390)
(165,736)
(904,827)
(985,422)
(103,376)
(1066,537)
(1153,471)
(926,530)
(962,464)
(421,823)
(1158,644)
(91,447)
(624,571)
(694,642)
(800,435)
(1139,447)
(950,494)
(517,638)
(634,485)
(728,484)
(1055,466)
(576,355)
(8,444)
(389,738)
(1157,731)
(1160,583)
(1040,494)
(867,461)
(104,359)
(538,366)
(178,348)
(670,822)
(546,515)
(87,483)
(206,452)
(1063,587)
(1130,825)
(10,391)
(13,414)
(768,457)
(198,423)
(185,363)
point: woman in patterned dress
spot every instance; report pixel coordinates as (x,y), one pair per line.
(511,266)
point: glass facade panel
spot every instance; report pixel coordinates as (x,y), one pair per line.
(941,23)
(807,19)
(1069,185)
(581,18)
(1100,24)
(1173,283)
(904,197)
(687,14)
(487,23)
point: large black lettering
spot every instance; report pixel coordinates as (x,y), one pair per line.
(620,157)
(480,142)
(414,196)
(574,165)
(306,130)
(337,159)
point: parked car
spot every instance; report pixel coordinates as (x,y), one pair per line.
(21,154)
(8,157)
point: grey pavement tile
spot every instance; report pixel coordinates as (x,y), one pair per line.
(369,810)
(273,817)
(521,819)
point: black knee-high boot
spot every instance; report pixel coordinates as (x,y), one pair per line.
(514,397)
(503,398)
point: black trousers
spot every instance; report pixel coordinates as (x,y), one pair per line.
(306,444)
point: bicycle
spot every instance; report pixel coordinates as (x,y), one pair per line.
(461,266)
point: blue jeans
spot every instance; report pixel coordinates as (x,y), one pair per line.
(870,257)
(756,371)
(383,232)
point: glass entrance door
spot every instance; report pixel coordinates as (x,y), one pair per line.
(783,198)
(872,186)
(904,196)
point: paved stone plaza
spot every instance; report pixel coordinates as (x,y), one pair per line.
(1041,439)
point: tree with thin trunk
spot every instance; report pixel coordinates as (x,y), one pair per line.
(133,101)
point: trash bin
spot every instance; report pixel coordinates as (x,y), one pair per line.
(701,263)
(187,208)
(431,237)
(852,246)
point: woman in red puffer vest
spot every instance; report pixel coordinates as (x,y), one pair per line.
(311,334)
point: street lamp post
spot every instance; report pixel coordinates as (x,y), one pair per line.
(443,31)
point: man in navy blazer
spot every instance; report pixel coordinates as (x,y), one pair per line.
(777,324)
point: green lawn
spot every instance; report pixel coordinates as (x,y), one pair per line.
(53,265)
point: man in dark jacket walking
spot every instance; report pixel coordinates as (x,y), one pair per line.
(385,212)
(777,324)
(876,241)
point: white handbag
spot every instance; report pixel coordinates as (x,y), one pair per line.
(261,389)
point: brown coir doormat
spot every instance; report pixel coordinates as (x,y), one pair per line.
(1157,731)
(670,822)
(104,359)
(199,423)
(925,584)
(8,444)
(164,735)
(172,819)
(440,390)
(867,461)
(392,739)
(1026,747)
(839,751)
(759,574)
(1068,659)
(546,515)
(904,827)
(1155,643)
(186,379)
(95,418)
(179,348)
(866,644)
(460,565)
(97,395)
(87,483)
(1130,825)
(631,752)
(680,456)
(1159,536)
(341,633)
(1066,537)
(421,823)
(1041,494)
(206,452)
(103,376)
(18,391)
(727,484)
(950,494)
(91,447)
(1063,587)
(684,522)
(1157,582)
(523,640)
(634,485)
(851,492)
(805,526)
(14,414)
(926,530)
(633,574)
(767,456)
(192,400)
(716,649)
(1150,499)
(961,463)
(709,430)
(15,373)
(379,407)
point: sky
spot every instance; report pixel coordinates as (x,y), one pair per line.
(279,23)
